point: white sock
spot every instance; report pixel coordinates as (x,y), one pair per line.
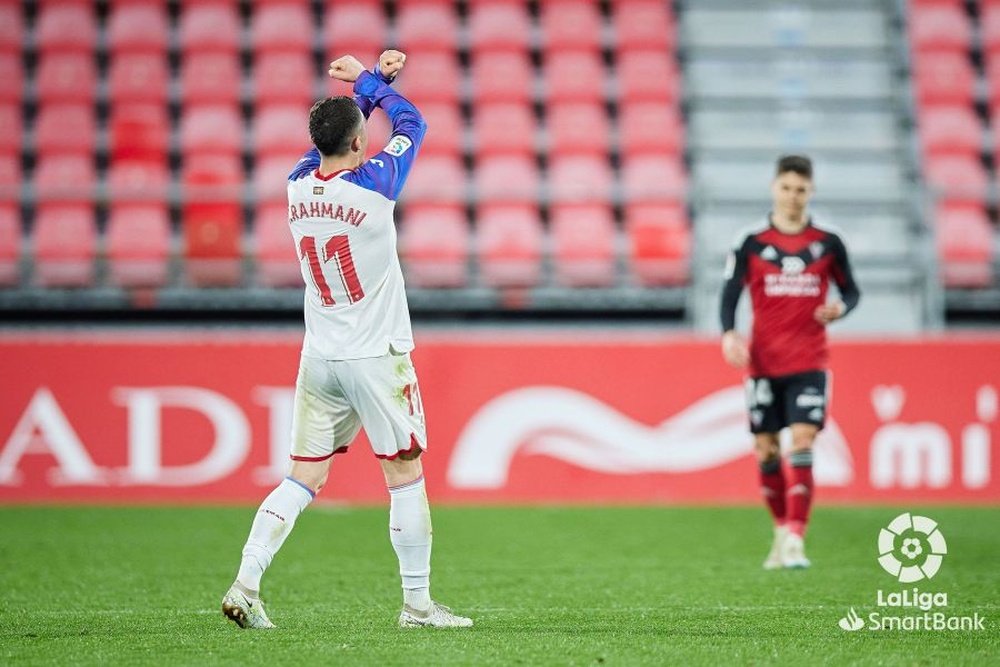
(271,525)
(410,534)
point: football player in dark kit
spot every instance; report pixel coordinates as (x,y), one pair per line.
(786,265)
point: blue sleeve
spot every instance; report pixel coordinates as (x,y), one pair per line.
(306,165)
(366,104)
(387,171)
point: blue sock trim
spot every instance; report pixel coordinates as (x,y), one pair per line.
(803,459)
(312,494)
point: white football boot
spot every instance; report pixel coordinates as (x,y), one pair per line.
(438,616)
(793,552)
(774,560)
(245,611)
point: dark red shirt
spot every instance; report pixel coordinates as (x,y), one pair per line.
(788,276)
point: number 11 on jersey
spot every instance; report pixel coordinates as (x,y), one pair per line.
(338,248)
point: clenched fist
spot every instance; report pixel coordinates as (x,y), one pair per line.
(390,62)
(346,68)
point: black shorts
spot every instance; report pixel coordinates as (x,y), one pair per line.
(777,402)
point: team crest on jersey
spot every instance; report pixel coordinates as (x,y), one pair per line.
(317,189)
(398,145)
(816,249)
(769,253)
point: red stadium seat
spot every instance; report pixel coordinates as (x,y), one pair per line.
(427,26)
(270,176)
(66,78)
(648,76)
(659,243)
(138,28)
(281,129)
(574,76)
(10,178)
(10,245)
(567,24)
(212,221)
(11,129)
(211,78)
(277,263)
(350,27)
(939,28)
(943,78)
(62,129)
(284,78)
(12,33)
(138,182)
(65,179)
(211,130)
(951,129)
(583,245)
(507,178)
(66,28)
(139,132)
(379,128)
(138,245)
(65,242)
(650,127)
(644,24)
(577,128)
(502,77)
(209,28)
(505,128)
(965,246)
(652,178)
(284,27)
(499,26)
(138,77)
(434,245)
(12,74)
(444,130)
(509,239)
(436,179)
(580,179)
(433,77)
(956,178)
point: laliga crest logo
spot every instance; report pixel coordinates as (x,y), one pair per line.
(911,548)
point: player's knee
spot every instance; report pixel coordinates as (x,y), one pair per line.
(767,448)
(312,474)
(401,471)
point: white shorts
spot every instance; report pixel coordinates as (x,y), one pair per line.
(334,399)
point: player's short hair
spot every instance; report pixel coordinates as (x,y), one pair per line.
(333,123)
(799,164)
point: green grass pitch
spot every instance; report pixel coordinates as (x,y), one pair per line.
(559,586)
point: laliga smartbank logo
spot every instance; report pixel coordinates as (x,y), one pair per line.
(911,548)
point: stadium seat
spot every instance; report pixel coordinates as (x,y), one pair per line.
(11,129)
(138,244)
(567,24)
(507,178)
(10,178)
(941,27)
(64,129)
(504,128)
(211,78)
(426,26)
(284,78)
(499,26)
(650,127)
(445,130)
(10,245)
(282,27)
(66,78)
(138,78)
(12,32)
(509,242)
(648,75)
(379,129)
(69,28)
(502,77)
(943,78)
(965,246)
(138,182)
(138,132)
(434,244)
(643,24)
(431,78)
(211,130)
(65,242)
(583,245)
(138,28)
(212,221)
(353,28)
(209,28)
(659,243)
(992,70)
(577,128)
(951,129)
(65,179)
(653,178)
(580,179)
(12,74)
(438,179)
(270,175)
(277,264)
(574,76)
(956,178)
(281,129)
